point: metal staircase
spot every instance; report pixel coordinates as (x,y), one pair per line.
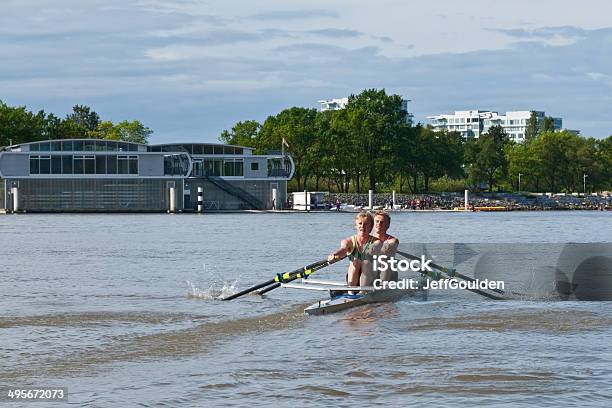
(246,197)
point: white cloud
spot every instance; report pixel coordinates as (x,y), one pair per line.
(196,66)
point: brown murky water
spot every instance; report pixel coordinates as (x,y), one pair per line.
(120,309)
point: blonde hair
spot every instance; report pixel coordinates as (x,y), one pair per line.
(367,216)
(384,215)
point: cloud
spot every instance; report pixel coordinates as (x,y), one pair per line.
(336,33)
(556,36)
(294,15)
(189,69)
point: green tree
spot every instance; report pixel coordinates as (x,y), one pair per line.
(296,126)
(486,157)
(133,131)
(406,157)
(375,120)
(553,159)
(18,125)
(85,117)
(343,156)
(107,130)
(242,134)
(531,131)
(124,131)
(521,159)
(547,125)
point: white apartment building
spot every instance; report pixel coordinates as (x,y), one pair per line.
(473,123)
(340,103)
(333,104)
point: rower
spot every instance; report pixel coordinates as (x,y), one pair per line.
(360,249)
(389,243)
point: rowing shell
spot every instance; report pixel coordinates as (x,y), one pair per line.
(338,302)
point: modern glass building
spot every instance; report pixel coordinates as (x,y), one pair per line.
(108,176)
(473,123)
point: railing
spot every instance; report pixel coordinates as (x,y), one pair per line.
(236,192)
(278,173)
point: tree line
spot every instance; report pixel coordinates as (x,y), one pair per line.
(19,125)
(369,145)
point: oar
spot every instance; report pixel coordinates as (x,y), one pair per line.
(277,284)
(284,277)
(453,273)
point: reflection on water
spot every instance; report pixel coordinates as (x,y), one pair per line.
(124,311)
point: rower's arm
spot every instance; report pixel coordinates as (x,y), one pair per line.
(344,250)
(390,248)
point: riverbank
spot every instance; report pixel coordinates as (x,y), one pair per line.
(451,201)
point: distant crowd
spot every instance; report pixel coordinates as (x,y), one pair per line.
(449,201)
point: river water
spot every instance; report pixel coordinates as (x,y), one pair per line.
(121,310)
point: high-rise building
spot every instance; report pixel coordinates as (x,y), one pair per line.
(473,123)
(340,103)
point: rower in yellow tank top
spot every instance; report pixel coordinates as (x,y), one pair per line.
(360,249)
(365,252)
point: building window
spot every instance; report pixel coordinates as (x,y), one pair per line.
(133,164)
(89,145)
(45,164)
(254,166)
(56,164)
(67,164)
(34,165)
(77,165)
(213,167)
(228,168)
(198,169)
(239,167)
(89,164)
(122,165)
(111,164)
(100,164)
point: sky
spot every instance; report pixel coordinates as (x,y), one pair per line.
(190,69)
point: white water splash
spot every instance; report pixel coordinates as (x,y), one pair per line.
(216,289)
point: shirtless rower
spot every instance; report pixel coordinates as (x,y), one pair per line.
(389,243)
(360,249)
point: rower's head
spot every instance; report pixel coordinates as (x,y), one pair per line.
(364,222)
(382,220)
